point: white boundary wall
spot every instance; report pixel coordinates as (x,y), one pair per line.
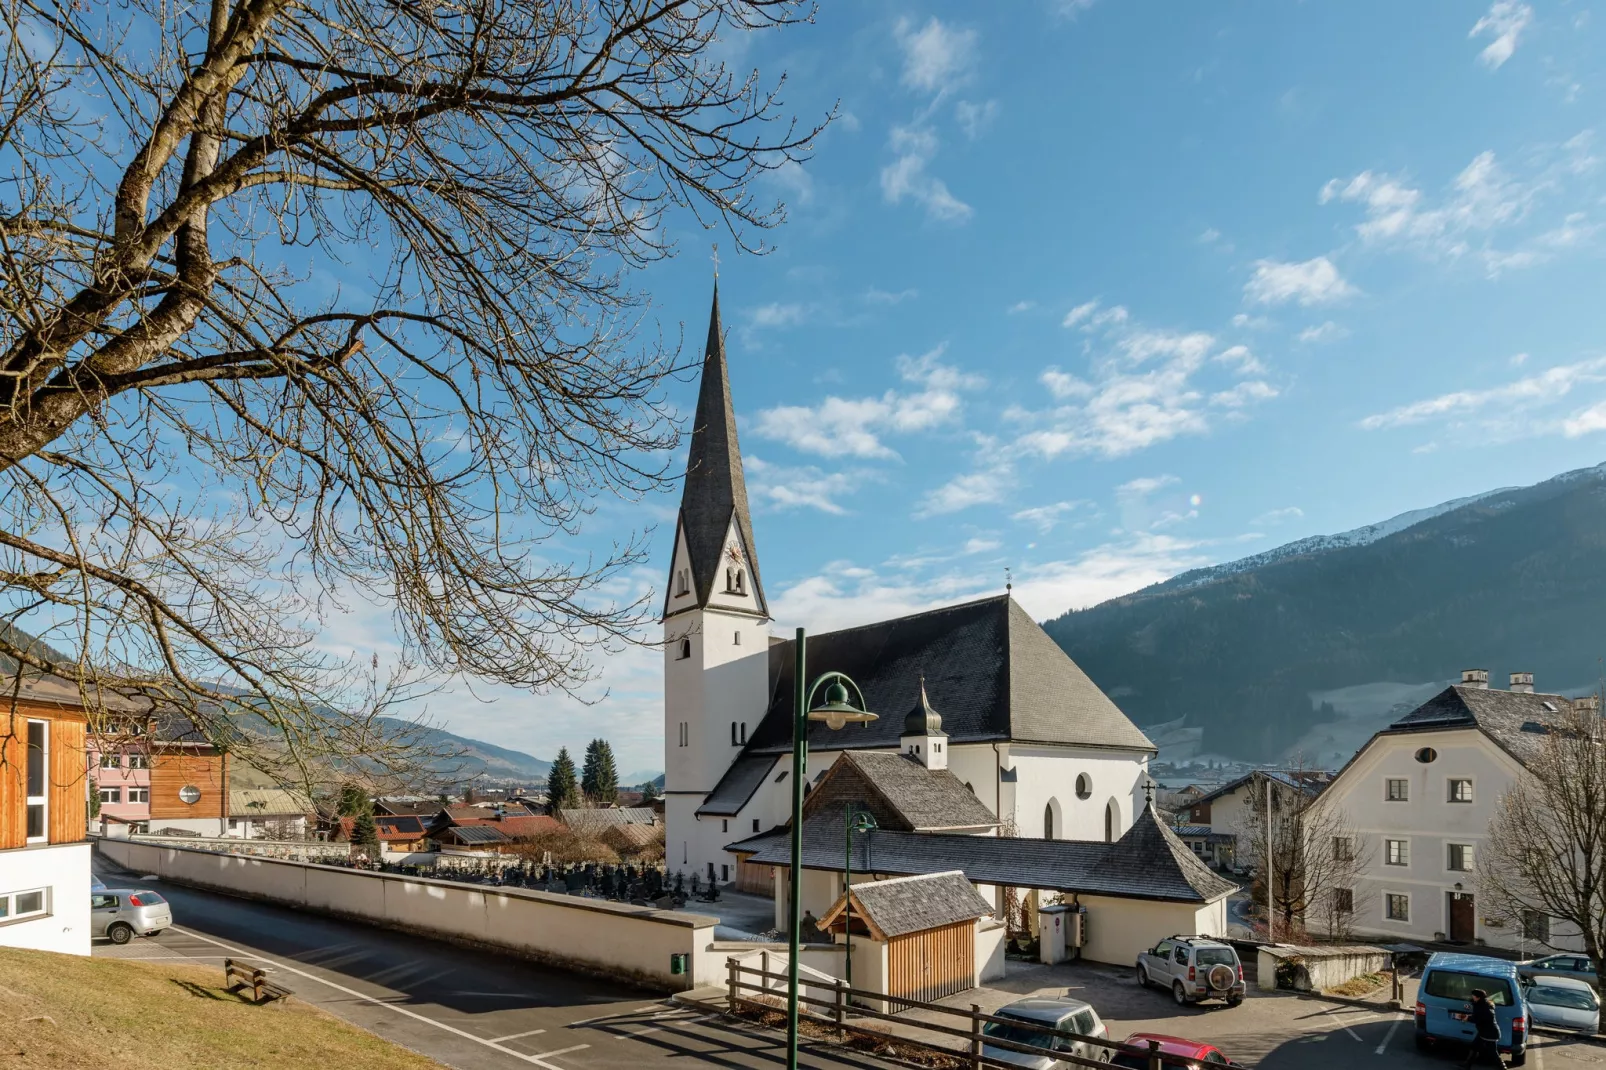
(615,939)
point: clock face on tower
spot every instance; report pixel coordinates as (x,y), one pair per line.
(734,553)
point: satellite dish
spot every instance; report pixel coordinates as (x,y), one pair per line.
(190,794)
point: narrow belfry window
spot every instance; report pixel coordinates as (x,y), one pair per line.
(682,583)
(744,733)
(733,733)
(685,647)
(741,581)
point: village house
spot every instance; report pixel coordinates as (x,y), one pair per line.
(1045,752)
(1422,792)
(1217,824)
(44,847)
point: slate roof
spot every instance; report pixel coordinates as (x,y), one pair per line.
(1515,720)
(742,778)
(715,489)
(989,668)
(1149,862)
(472,834)
(929,799)
(596,822)
(913,904)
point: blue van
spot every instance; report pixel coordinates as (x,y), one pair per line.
(1444,1002)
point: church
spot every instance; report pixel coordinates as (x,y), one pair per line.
(977,689)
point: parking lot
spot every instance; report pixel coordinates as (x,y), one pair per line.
(1271,1031)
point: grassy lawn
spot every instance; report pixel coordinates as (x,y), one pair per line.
(64,1012)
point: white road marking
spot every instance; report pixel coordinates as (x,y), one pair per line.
(1539,1051)
(1389,1035)
(560,1051)
(515,1036)
(605,1017)
(538,1060)
(1341,1024)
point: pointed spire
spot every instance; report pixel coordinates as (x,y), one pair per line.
(715,494)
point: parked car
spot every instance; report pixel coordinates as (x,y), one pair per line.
(1444,1002)
(1199,1056)
(1069,1015)
(96,884)
(1576,966)
(1194,968)
(120,914)
(1564,1002)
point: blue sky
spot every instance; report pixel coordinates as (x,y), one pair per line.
(1102,291)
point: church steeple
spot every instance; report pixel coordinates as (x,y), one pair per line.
(715,529)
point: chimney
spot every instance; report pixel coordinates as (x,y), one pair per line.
(1522,682)
(1475,678)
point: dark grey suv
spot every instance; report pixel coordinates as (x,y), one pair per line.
(1194,968)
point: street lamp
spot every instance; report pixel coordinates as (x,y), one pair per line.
(857,821)
(836,712)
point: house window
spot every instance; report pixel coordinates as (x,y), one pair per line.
(1460,858)
(685,648)
(724,872)
(111,795)
(139,795)
(755,824)
(38,758)
(1398,852)
(14,906)
(111,761)
(1343,849)
(1536,926)
(1397,907)
(1343,901)
(139,761)
(1397,789)
(724,824)
(1460,790)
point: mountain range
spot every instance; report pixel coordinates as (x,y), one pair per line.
(1315,644)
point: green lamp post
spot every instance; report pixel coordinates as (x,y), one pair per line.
(857,821)
(837,712)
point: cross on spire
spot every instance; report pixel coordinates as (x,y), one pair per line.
(716,260)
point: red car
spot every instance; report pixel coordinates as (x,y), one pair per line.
(1198,1056)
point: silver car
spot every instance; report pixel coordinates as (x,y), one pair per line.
(1564,965)
(1564,1002)
(1194,968)
(1068,1015)
(120,914)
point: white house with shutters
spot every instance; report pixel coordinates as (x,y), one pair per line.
(1421,794)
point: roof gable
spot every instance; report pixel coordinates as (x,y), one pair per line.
(1516,721)
(989,668)
(914,798)
(915,904)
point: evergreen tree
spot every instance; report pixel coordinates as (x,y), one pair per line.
(561,787)
(353,801)
(600,779)
(364,833)
(649,792)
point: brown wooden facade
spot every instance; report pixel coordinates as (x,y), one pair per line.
(67,805)
(932,964)
(173,768)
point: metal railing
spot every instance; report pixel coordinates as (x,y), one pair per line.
(846,1001)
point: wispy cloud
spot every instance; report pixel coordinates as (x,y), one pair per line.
(1144,486)
(1045,518)
(985,487)
(973,118)
(802,487)
(1482,200)
(1019,307)
(1079,313)
(1310,282)
(1278,516)
(935,55)
(1504,22)
(890,297)
(776,314)
(906,176)
(1496,407)
(854,427)
(1322,332)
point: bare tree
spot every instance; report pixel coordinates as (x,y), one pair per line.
(323,304)
(1545,858)
(1306,874)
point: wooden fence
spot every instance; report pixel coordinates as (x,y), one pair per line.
(841,1006)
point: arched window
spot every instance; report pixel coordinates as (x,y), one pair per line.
(741,581)
(1112,819)
(685,647)
(1048,822)
(1084,786)
(744,733)
(970,787)
(733,733)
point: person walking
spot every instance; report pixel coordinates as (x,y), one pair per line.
(1486,1028)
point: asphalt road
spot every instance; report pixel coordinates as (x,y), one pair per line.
(468,1009)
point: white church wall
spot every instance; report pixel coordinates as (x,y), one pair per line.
(977,766)
(1045,774)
